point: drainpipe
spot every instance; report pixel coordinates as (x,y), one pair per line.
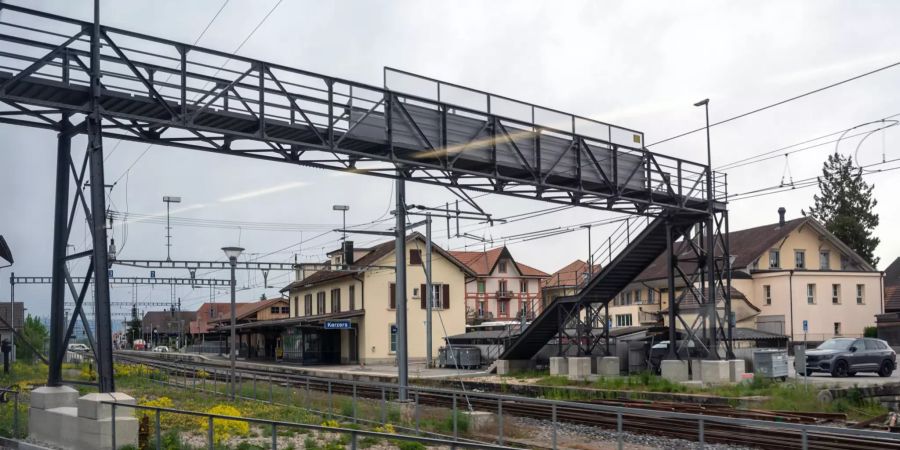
(881,292)
(791,292)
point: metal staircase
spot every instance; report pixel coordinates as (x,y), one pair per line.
(635,256)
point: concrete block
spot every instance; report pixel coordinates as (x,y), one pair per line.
(56,426)
(481,421)
(736,369)
(510,366)
(579,367)
(715,372)
(674,370)
(608,366)
(559,365)
(91,406)
(48,397)
(97,434)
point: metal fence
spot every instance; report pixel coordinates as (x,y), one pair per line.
(10,398)
(273,426)
(554,411)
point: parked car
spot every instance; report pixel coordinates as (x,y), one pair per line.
(139,344)
(78,348)
(843,357)
(161,349)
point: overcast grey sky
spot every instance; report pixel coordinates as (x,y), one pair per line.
(638,64)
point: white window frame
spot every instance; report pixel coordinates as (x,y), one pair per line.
(824,259)
(799,259)
(767,294)
(437,298)
(811,294)
(775,255)
(860,294)
(835,294)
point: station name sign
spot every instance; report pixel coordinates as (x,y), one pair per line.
(337,324)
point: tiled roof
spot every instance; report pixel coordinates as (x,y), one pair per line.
(376,253)
(570,275)
(482,263)
(892,287)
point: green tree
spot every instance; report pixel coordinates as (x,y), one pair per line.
(36,334)
(845,206)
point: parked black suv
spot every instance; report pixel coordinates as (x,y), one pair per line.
(843,357)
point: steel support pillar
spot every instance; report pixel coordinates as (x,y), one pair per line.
(98,220)
(672,258)
(711,283)
(429,291)
(60,238)
(729,338)
(400,289)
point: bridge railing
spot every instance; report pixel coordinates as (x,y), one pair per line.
(211,100)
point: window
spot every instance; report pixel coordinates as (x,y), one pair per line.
(800,259)
(416,292)
(439,298)
(872,344)
(482,308)
(860,294)
(774,259)
(650,296)
(767,294)
(415,257)
(392,296)
(274,310)
(835,294)
(351,296)
(523,308)
(637,297)
(755,265)
(307,304)
(501,266)
(503,307)
(297,304)
(501,286)
(286,310)
(628,298)
(320,302)
(811,294)
(845,262)
(623,320)
(824,260)
(523,286)
(393,333)
(837,328)
(335,300)
(480,287)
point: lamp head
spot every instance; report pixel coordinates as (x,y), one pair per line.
(171,199)
(232,252)
(340,208)
(703,102)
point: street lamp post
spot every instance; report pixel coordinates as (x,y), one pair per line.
(343,209)
(710,251)
(232,253)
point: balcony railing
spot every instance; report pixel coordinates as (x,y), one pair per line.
(504,294)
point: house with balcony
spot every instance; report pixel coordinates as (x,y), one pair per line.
(566,281)
(791,277)
(502,289)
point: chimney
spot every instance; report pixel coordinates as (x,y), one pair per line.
(348,254)
(781,212)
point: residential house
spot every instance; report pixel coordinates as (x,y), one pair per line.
(566,281)
(349,315)
(892,287)
(790,277)
(503,288)
(166,327)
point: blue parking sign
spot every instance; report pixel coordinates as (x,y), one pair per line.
(805,326)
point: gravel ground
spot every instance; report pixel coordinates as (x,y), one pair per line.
(587,437)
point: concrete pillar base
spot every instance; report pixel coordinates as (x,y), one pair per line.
(715,371)
(481,421)
(608,366)
(579,368)
(59,417)
(559,365)
(736,370)
(674,370)
(511,366)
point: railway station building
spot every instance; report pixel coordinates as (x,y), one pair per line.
(346,313)
(791,277)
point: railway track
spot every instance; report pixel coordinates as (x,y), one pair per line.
(578,412)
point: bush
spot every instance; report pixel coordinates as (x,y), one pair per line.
(225,428)
(870,332)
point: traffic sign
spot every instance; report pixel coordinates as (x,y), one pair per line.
(805,326)
(152,274)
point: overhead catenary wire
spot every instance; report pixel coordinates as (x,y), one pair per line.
(779,103)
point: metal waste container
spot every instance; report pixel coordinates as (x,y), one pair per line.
(462,357)
(771,363)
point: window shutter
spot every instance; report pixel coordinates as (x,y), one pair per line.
(424,296)
(445,293)
(392,300)
(415,257)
